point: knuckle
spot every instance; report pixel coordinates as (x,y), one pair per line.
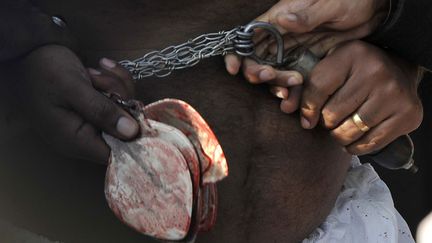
(343,136)
(358,149)
(414,108)
(383,140)
(352,150)
(376,66)
(393,87)
(249,74)
(330,118)
(415,115)
(357,47)
(375,142)
(419,112)
(102,110)
(367,145)
(309,110)
(307,24)
(315,86)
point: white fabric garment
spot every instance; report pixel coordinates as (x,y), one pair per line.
(364,212)
(424,230)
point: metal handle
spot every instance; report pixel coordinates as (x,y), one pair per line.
(397,155)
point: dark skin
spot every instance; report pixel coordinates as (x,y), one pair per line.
(71,125)
(381,88)
(355,78)
(277,191)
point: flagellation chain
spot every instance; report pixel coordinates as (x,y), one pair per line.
(237,40)
(398,154)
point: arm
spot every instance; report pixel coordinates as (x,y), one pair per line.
(62,104)
(23,28)
(407,31)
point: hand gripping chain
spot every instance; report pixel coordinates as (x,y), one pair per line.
(397,155)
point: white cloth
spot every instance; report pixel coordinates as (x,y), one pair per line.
(364,212)
(424,230)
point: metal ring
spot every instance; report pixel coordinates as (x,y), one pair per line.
(58,21)
(359,123)
(246,34)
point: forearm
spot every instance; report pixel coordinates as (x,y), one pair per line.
(406,32)
(23,27)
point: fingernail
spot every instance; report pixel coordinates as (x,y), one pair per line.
(305,123)
(290,17)
(108,63)
(127,127)
(231,68)
(292,81)
(265,75)
(287,16)
(93,71)
(279,94)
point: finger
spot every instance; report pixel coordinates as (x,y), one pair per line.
(327,76)
(111,67)
(291,104)
(69,134)
(280,92)
(104,114)
(346,100)
(232,63)
(292,41)
(287,78)
(109,84)
(261,34)
(371,113)
(305,19)
(261,49)
(377,138)
(256,73)
(322,43)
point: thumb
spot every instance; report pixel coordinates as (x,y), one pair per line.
(302,20)
(105,114)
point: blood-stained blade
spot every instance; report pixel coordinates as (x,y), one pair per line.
(181,115)
(148,183)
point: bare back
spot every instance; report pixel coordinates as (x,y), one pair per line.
(283,179)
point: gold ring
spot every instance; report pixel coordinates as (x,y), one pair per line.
(359,123)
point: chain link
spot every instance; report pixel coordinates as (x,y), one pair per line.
(162,63)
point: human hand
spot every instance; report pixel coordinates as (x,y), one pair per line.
(331,22)
(300,16)
(64,107)
(286,84)
(358,78)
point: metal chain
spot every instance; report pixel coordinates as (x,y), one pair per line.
(162,63)
(188,54)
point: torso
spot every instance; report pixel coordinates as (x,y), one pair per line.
(283,180)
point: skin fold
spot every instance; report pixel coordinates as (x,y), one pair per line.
(283,179)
